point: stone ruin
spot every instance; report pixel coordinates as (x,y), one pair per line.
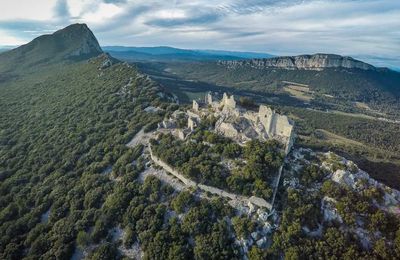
(209,99)
(195,106)
(234,121)
(228,103)
(241,125)
(192,123)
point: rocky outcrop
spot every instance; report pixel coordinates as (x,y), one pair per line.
(302,62)
(86,42)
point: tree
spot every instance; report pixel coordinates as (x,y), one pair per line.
(106,251)
(292,253)
(256,253)
(232,150)
(82,239)
(178,251)
(182,201)
(380,249)
(397,243)
(261,189)
(378,221)
(242,226)
(129,236)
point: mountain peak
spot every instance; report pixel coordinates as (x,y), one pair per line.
(81,40)
(74,42)
(318,61)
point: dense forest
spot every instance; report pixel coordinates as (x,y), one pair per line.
(60,129)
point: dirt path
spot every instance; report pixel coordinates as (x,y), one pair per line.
(163,177)
(140,138)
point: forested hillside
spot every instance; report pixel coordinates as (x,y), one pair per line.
(68,181)
(167,54)
(379,88)
(59,130)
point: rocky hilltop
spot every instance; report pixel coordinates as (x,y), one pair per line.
(302,62)
(73,43)
(86,43)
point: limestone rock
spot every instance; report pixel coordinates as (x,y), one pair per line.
(107,63)
(305,62)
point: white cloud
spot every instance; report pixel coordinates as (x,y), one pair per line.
(7,39)
(78,7)
(368,27)
(101,14)
(170,14)
(40,10)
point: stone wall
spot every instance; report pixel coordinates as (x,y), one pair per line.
(275,124)
(192,123)
(171,170)
(265,116)
(254,200)
(278,179)
(282,126)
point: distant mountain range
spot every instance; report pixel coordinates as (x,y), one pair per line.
(168,54)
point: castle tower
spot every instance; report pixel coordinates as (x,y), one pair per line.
(195,106)
(266,117)
(208,98)
(224,98)
(228,102)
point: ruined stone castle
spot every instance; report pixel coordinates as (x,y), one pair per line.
(243,125)
(235,122)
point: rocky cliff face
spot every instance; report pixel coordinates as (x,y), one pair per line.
(81,37)
(305,62)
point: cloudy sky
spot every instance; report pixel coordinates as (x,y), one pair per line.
(368,29)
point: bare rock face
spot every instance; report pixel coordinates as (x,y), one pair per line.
(305,62)
(84,41)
